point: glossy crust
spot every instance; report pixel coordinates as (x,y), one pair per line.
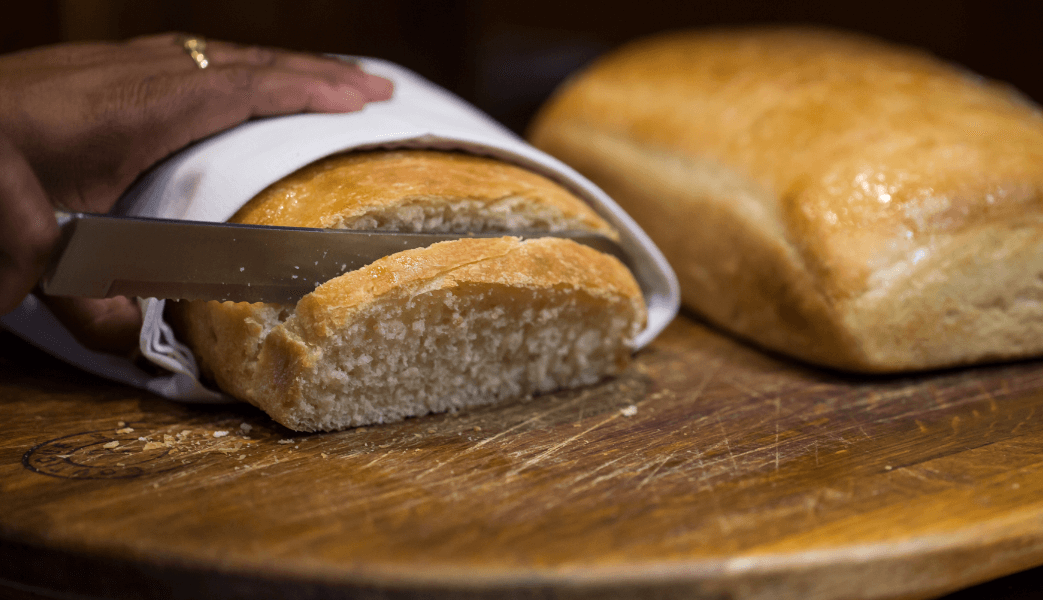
(283,358)
(828,196)
(343,190)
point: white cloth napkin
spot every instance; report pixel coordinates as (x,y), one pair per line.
(212,179)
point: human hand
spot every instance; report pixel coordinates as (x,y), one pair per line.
(88,119)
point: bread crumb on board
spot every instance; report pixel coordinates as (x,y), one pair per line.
(628,411)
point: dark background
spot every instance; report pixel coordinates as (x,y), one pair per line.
(507,57)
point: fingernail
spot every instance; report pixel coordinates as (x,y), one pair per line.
(378,88)
(355,99)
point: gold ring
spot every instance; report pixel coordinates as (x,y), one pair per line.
(195,47)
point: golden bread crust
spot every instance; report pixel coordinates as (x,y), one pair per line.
(336,191)
(809,187)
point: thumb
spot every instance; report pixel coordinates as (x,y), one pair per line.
(102,324)
(28,230)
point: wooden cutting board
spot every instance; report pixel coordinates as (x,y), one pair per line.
(708,470)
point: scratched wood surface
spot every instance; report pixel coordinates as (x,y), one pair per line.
(708,470)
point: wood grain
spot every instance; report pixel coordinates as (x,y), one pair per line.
(735,475)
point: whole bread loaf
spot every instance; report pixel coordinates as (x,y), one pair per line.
(832,197)
(454,325)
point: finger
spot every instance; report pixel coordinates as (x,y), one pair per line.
(102,324)
(280,93)
(192,106)
(335,70)
(28,230)
(157,40)
(168,48)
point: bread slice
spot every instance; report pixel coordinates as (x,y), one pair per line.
(824,195)
(454,325)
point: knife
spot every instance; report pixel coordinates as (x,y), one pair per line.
(100,256)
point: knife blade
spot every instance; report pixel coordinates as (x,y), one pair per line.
(100,256)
